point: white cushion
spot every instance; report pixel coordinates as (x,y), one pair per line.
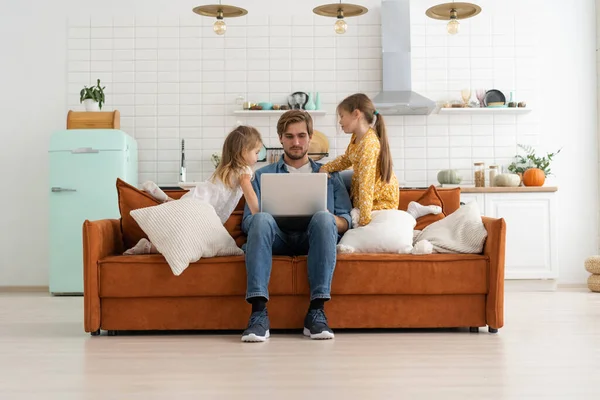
(390,231)
(184,231)
(460,232)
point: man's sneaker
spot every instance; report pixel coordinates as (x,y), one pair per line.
(315,325)
(258,327)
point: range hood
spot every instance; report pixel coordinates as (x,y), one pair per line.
(397,97)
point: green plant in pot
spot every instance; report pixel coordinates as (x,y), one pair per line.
(92,97)
(530,161)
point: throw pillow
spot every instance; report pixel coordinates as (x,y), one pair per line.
(460,232)
(131,198)
(390,231)
(184,231)
(431,197)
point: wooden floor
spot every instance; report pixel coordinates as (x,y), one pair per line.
(549,349)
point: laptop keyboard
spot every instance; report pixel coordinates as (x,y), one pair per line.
(293,223)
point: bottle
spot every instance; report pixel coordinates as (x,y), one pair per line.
(182,168)
(310,105)
(492,174)
(318,102)
(511,102)
(479,174)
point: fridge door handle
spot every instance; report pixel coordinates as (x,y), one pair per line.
(59,189)
(84,150)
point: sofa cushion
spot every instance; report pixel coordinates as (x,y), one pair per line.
(461,232)
(150,276)
(450,198)
(131,198)
(185,231)
(234,227)
(431,197)
(381,274)
(390,231)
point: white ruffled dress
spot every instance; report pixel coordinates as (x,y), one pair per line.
(223,199)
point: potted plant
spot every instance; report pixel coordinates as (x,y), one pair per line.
(92,97)
(531,168)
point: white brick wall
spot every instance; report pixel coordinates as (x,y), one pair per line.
(173,78)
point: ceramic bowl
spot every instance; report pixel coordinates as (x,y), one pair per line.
(266,105)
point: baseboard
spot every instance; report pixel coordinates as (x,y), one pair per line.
(572,285)
(540,285)
(24,289)
(530,285)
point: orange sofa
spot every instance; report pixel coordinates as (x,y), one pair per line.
(140,292)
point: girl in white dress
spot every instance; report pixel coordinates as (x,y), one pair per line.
(225,187)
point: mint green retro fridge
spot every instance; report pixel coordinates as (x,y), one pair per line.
(84,167)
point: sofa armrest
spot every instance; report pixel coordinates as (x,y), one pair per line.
(101,238)
(495,248)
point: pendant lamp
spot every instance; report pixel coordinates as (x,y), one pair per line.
(340,11)
(453,12)
(220,11)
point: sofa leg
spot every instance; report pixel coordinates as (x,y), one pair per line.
(492,330)
(112,333)
(474,329)
(95,333)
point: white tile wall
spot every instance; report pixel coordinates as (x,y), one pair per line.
(173,79)
(597,3)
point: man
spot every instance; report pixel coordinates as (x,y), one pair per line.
(319,240)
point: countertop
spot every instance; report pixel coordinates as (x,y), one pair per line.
(519,189)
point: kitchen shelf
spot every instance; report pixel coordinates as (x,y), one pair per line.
(267,113)
(484,110)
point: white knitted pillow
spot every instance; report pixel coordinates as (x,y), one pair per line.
(460,232)
(184,231)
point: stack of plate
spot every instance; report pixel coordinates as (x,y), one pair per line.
(494,98)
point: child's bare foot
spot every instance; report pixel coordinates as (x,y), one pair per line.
(142,247)
(153,190)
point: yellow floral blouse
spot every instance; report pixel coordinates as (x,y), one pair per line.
(368,192)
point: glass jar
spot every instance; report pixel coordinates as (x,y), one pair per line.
(479,174)
(492,174)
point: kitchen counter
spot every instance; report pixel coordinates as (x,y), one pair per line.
(519,189)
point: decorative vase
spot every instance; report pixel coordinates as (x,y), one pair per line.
(91,105)
(310,105)
(318,102)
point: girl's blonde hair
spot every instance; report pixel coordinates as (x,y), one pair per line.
(241,139)
(361,102)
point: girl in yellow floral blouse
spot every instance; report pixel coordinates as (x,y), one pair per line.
(374,184)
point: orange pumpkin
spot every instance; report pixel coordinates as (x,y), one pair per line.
(534,177)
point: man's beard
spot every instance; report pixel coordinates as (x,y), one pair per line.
(295,156)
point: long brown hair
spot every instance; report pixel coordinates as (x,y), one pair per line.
(361,102)
(243,138)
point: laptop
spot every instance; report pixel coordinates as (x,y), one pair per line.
(292,199)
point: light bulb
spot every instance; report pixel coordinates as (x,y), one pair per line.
(340,26)
(453,26)
(219,27)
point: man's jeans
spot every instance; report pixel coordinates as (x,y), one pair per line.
(265,239)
